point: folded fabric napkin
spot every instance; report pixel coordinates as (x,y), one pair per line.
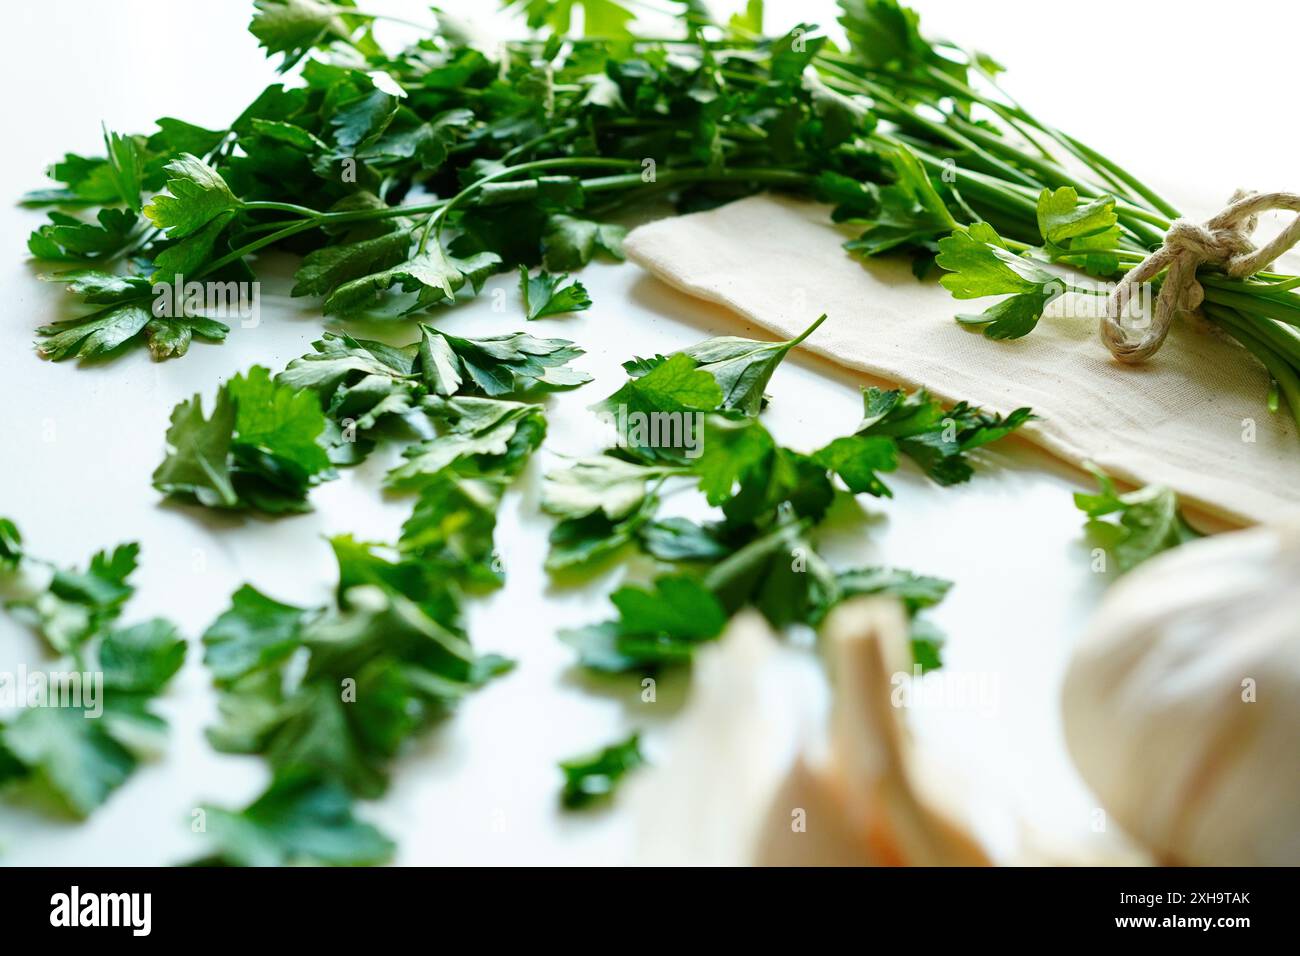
(1192,418)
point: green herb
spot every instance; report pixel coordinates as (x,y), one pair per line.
(594,776)
(570,242)
(583,543)
(262,448)
(498,365)
(657,627)
(546,295)
(917,592)
(935,438)
(980,265)
(479,435)
(772,499)
(299,821)
(364,385)
(80,742)
(452,525)
(407,177)
(379,666)
(606,484)
(1147,521)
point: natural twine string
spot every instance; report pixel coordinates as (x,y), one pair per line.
(1222,241)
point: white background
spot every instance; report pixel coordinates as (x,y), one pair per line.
(79,444)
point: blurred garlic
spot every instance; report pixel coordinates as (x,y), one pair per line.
(744,783)
(1182,702)
(733,743)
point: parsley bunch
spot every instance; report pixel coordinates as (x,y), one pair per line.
(406,178)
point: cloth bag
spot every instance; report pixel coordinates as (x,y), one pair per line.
(1192,418)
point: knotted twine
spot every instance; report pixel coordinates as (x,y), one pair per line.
(1222,241)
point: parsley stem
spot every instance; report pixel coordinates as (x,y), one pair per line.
(798,339)
(1282,371)
(258,205)
(422,27)
(433,225)
(536,141)
(235,254)
(1264,305)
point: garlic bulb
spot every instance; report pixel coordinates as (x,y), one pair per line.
(754,777)
(1182,702)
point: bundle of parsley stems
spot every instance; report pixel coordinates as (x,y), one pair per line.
(407,178)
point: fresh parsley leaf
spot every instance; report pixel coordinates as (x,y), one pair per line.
(478,436)
(675,384)
(979,265)
(604,483)
(679,539)
(594,776)
(743,367)
(435,275)
(907,214)
(62,753)
(1148,521)
(1081,234)
(337,692)
(656,627)
(936,439)
(452,525)
(254,633)
(570,243)
(497,365)
(545,294)
(296,27)
(87,181)
(858,460)
(262,448)
(83,740)
(361,383)
(778,572)
(143,658)
(579,543)
(69,239)
(125,164)
(300,820)
(198,195)
(94,336)
(325,269)
(68,607)
(745,471)
(1012,318)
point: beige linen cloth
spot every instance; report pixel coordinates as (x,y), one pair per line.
(1192,418)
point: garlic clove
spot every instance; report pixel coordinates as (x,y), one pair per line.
(756,774)
(872,778)
(735,740)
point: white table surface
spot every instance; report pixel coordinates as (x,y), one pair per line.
(80,444)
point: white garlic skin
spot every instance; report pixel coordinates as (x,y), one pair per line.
(1182,702)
